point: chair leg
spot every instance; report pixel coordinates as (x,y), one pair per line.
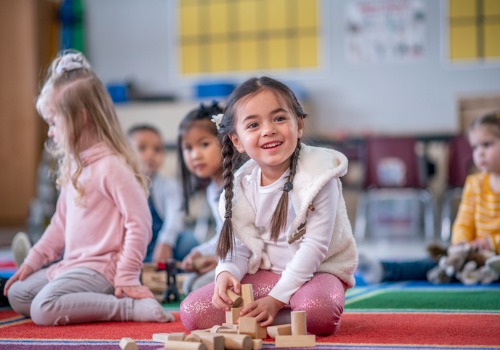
(446,217)
(429,218)
(361,218)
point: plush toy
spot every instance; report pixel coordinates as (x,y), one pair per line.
(462,262)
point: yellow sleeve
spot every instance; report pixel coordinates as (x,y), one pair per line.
(495,240)
(463,229)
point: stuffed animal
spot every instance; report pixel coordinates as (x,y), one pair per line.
(462,262)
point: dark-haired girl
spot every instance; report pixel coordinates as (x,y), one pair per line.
(285,229)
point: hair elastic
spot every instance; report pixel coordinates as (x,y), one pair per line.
(288,186)
(228,214)
(71,61)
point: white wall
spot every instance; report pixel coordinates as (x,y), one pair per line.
(127,40)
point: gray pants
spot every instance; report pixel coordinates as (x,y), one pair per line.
(77,296)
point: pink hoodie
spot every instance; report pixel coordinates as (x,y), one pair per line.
(109,233)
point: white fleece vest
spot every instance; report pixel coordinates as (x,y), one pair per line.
(316,166)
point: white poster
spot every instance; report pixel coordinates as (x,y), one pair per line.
(385,31)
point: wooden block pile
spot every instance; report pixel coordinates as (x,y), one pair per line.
(239,333)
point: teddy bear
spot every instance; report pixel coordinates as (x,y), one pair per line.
(461,262)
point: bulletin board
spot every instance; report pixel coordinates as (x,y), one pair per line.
(221,36)
(472,31)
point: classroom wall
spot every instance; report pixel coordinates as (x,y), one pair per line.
(128,40)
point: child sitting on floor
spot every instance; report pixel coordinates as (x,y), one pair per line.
(102,224)
(285,229)
(478,219)
(169,240)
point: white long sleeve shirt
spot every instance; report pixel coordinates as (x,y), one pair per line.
(327,245)
(167,198)
(213,194)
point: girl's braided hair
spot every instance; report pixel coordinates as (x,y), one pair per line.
(230,156)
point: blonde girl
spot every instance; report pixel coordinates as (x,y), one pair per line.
(285,230)
(200,160)
(102,223)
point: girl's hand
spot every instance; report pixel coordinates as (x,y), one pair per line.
(187,263)
(162,253)
(481,244)
(204,264)
(20,275)
(264,310)
(224,281)
(134,292)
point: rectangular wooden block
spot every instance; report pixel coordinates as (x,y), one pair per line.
(282,329)
(233,315)
(250,326)
(212,341)
(183,345)
(257,344)
(295,341)
(230,325)
(247,294)
(227,331)
(163,337)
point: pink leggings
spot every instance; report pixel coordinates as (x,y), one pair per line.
(322,298)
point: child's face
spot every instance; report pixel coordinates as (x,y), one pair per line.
(485,149)
(55,123)
(267,130)
(202,152)
(149,147)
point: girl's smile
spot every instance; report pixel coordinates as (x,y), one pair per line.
(268,131)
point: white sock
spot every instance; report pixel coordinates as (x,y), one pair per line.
(149,310)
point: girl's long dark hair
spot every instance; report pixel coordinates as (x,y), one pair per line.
(200,116)
(231,156)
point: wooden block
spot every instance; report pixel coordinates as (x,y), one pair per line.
(237,300)
(183,345)
(238,341)
(256,344)
(299,324)
(215,329)
(230,325)
(295,341)
(233,315)
(227,331)
(193,337)
(212,341)
(128,344)
(250,326)
(247,294)
(163,337)
(282,329)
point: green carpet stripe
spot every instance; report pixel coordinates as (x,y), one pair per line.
(427,300)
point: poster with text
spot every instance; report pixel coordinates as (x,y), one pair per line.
(385,31)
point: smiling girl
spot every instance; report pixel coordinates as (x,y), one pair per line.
(285,230)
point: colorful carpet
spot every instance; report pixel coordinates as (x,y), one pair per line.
(387,316)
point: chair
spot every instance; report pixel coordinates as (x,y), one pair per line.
(394,172)
(459,166)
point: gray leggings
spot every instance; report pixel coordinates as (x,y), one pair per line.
(78,295)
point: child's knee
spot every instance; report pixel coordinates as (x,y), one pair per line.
(43,312)
(197,312)
(322,318)
(20,299)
